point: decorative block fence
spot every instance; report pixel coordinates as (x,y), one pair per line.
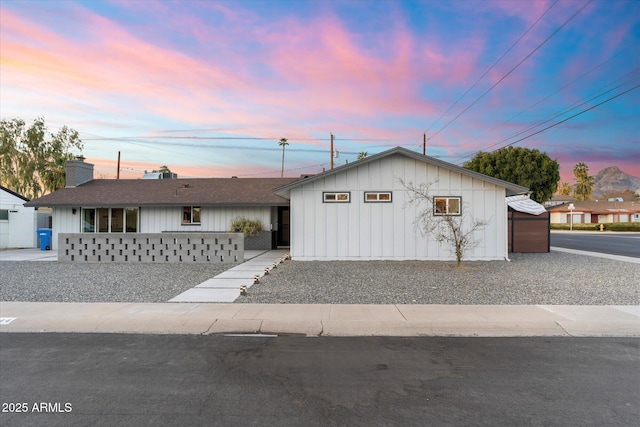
(215,248)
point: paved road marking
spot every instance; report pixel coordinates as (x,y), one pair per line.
(6,320)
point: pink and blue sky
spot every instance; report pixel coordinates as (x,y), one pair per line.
(209,87)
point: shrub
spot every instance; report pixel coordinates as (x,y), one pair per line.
(612,226)
(246,226)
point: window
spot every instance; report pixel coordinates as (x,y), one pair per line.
(4,214)
(336,197)
(109,220)
(377,196)
(446,205)
(190,215)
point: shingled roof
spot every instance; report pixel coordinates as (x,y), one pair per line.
(169,192)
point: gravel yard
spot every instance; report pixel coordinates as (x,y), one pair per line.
(44,281)
(548,278)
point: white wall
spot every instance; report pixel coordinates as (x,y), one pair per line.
(163,219)
(19,231)
(156,220)
(358,230)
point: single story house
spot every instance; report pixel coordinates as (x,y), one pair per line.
(17,222)
(595,212)
(358,211)
(361,210)
(149,206)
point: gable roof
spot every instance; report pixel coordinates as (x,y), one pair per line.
(13,193)
(169,192)
(512,189)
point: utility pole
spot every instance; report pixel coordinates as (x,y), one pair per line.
(331,151)
(118,171)
(424,144)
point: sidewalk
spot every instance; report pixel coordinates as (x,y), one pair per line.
(322,320)
(196,311)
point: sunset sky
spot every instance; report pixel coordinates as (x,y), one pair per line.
(209,87)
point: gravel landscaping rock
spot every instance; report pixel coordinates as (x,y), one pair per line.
(44,281)
(548,278)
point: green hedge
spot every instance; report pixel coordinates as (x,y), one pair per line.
(614,226)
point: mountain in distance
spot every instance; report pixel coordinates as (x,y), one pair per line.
(612,179)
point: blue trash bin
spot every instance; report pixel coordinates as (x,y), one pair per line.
(45,238)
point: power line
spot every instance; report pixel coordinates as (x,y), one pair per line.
(513,69)
(493,65)
(561,113)
(573,116)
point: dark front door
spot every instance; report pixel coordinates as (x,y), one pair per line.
(284,225)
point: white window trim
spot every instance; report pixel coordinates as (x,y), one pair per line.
(346,197)
(458,198)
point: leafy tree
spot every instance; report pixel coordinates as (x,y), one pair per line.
(362,155)
(584,182)
(522,166)
(32,159)
(283,143)
(455,230)
(163,169)
(565,189)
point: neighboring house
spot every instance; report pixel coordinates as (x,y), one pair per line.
(559,199)
(594,212)
(360,211)
(17,223)
(88,205)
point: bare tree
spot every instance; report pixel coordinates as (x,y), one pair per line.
(454,229)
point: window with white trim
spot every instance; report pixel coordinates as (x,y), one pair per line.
(447,206)
(190,215)
(377,196)
(4,214)
(331,197)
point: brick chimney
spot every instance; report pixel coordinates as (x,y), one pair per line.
(78,172)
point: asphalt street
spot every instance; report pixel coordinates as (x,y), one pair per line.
(116,379)
(625,244)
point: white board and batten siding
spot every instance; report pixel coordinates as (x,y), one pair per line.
(359,230)
(161,219)
(168,219)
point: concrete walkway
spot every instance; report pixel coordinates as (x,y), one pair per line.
(322,320)
(226,287)
(28,255)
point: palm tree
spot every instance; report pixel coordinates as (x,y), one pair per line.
(584,182)
(362,155)
(283,143)
(565,189)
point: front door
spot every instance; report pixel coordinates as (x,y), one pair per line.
(284,225)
